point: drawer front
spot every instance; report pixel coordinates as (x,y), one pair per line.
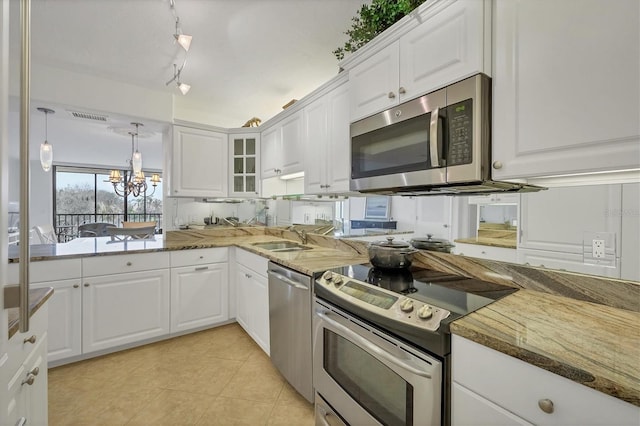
(252,261)
(199,257)
(49,270)
(18,349)
(119,264)
(518,387)
(486,252)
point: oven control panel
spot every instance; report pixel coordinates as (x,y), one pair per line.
(383,302)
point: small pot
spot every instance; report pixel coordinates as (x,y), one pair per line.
(433,244)
(390,254)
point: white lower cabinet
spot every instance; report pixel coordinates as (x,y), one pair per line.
(25,400)
(65,318)
(252,296)
(490,387)
(124,308)
(199,292)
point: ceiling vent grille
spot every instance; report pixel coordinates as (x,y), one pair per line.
(88,116)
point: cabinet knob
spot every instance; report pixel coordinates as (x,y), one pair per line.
(247,275)
(175,190)
(31,339)
(546,405)
(497,165)
(76,285)
(29,380)
(201,257)
(35,371)
(129,263)
(391,95)
(402,90)
(86,284)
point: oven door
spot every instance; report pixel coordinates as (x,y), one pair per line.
(400,147)
(369,377)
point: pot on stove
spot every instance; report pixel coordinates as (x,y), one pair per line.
(391,254)
(433,244)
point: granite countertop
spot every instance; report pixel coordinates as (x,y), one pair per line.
(594,345)
(37,298)
(589,343)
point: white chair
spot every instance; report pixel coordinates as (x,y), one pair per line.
(47,234)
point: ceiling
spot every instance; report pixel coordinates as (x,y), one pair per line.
(248,58)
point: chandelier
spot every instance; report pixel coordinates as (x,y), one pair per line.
(133,182)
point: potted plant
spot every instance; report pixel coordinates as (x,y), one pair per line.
(373,19)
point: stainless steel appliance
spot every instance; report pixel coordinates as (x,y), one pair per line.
(438,143)
(382,343)
(290,327)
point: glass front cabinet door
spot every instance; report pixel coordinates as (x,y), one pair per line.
(244,179)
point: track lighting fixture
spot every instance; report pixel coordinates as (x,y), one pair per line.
(184,88)
(46,150)
(183,40)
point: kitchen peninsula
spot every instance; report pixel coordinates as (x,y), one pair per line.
(615,375)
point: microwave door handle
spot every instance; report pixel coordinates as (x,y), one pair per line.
(434,145)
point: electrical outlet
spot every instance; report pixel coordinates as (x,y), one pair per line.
(597,249)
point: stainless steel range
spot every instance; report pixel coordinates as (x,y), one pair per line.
(382,343)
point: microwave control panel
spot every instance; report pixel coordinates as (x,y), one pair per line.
(460,130)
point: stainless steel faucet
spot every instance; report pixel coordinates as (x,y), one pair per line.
(302,234)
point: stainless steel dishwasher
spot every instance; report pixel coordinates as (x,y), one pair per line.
(290,296)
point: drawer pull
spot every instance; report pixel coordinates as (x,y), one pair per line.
(21,421)
(546,405)
(31,339)
(29,380)
(201,257)
(129,263)
(35,371)
(86,284)
(76,285)
(247,275)
(202,268)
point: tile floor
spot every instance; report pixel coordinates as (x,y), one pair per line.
(213,377)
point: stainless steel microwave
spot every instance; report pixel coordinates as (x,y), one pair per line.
(438,143)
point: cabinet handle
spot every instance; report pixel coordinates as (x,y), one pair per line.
(201,257)
(29,380)
(21,421)
(35,371)
(497,165)
(76,285)
(391,95)
(31,339)
(86,284)
(546,405)
(247,275)
(402,90)
(202,268)
(129,263)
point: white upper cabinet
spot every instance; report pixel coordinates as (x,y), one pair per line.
(566,91)
(199,163)
(449,44)
(281,149)
(327,164)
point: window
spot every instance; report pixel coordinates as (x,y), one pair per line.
(84,195)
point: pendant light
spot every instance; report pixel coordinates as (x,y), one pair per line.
(136,157)
(46,149)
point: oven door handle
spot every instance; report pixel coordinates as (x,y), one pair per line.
(371,347)
(434,143)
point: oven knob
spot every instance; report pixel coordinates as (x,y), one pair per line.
(337,280)
(328,275)
(425,312)
(406,305)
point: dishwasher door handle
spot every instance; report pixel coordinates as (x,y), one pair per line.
(287,280)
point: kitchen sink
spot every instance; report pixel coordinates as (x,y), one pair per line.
(281,246)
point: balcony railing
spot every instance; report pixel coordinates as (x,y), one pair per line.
(67,224)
